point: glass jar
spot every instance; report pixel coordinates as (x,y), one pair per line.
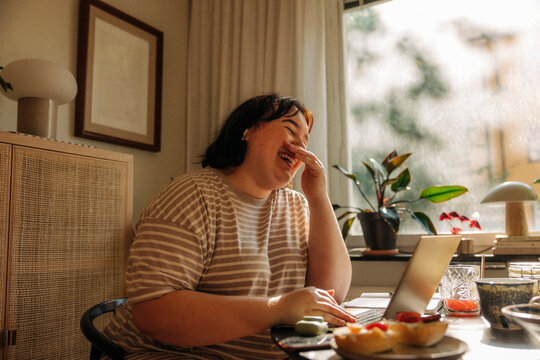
(527,270)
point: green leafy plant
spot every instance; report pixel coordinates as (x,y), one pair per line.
(389,192)
(537,181)
(5,85)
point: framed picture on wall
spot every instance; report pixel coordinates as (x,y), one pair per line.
(119,74)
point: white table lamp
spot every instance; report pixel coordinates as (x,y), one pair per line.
(514,194)
(39,86)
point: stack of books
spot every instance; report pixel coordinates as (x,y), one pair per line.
(517,245)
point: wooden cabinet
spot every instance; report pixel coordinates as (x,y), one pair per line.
(65,231)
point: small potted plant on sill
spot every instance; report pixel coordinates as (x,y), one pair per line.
(457,222)
(453,217)
(380,222)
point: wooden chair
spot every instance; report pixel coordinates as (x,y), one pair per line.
(101,345)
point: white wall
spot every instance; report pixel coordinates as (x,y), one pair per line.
(48,30)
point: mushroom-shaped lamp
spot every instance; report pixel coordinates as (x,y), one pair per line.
(39,86)
(514,194)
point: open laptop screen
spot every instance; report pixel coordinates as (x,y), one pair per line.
(422,274)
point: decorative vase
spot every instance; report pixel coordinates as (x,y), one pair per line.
(379,237)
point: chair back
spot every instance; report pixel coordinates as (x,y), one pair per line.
(101,345)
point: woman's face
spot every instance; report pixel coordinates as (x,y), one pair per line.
(269,155)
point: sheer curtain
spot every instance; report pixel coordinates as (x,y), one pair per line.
(242,48)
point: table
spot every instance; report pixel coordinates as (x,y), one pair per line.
(483,342)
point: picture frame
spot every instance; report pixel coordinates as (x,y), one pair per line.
(119,74)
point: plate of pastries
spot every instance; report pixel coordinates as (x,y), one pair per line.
(409,336)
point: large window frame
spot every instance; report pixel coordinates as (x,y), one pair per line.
(341,191)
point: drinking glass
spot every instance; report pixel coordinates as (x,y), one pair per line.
(458,290)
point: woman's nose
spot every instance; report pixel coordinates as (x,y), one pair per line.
(299,142)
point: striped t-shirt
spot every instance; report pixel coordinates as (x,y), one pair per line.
(202,234)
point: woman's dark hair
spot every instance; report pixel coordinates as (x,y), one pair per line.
(228,148)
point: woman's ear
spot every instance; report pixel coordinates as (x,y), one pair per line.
(244,135)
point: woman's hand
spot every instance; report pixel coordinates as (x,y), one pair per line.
(311,301)
(314,176)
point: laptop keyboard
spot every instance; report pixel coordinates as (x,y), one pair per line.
(369,316)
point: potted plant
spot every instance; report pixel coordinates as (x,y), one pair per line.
(380,222)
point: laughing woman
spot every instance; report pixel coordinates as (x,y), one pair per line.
(225,252)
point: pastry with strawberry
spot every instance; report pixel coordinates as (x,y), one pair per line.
(372,338)
(418,330)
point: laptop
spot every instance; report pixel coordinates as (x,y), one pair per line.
(419,280)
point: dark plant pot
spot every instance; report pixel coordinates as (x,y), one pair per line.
(378,235)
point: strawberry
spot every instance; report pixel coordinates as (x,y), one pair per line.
(380,325)
(409,317)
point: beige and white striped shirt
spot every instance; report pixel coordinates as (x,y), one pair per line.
(202,234)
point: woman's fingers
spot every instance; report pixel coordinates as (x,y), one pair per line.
(314,176)
(307,157)
(326,306)
(328,295)
(334,314)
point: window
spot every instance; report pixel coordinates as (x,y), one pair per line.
(456,84)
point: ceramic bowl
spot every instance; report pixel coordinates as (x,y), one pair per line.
(526,315)
(495,293)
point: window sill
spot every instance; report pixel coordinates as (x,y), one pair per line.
(406,244)
(474,258)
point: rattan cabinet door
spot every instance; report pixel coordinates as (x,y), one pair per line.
(5,165)
(66,248)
